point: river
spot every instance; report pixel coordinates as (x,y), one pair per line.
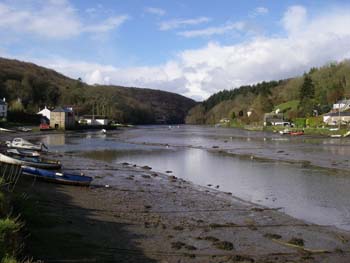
(235,161)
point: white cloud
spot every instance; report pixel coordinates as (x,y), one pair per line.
(261,10)
(176,23)
(294,19)
(155,11)
(53,19)
(220,30)
(107,25)
(200,72)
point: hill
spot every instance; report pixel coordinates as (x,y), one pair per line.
(38,86)
(297,97)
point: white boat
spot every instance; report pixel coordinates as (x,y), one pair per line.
(33,162)
(24,144)
(103,131)
(6,130)
(285,131)
(347,134)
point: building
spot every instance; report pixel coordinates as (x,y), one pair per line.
(335,118)
(45,113)
(3,109)
(274,119)
(62,118)
(342,105)
(93,120)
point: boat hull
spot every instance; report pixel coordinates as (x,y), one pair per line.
(21,161)
(54,177)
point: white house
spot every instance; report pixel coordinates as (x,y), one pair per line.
(93,120)
(342,105)
(333,118)
(45,112)
(3,109)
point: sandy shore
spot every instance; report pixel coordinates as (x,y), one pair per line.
(145,216)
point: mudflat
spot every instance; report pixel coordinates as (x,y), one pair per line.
(135,214)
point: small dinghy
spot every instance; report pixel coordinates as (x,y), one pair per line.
(20,143)
(31,161)
(62,178)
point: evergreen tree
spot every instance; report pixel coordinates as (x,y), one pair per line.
(306,96)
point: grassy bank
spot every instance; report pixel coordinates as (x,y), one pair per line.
(10,241)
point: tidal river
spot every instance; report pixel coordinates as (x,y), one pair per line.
(264,168)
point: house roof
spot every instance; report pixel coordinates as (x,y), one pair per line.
(342,101)
(62,109)
(336,114)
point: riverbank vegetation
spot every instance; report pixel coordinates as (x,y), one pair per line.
(10,241)
(304,97)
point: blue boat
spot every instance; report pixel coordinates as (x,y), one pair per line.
(56,177)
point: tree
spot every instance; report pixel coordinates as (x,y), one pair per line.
(306,96)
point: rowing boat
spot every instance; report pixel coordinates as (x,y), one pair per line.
(56,177)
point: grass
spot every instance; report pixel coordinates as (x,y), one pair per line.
(9,239)
(289,105)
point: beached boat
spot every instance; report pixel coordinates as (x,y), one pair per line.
(23,153)
(6,130)
(24,144)
(30,161)
(56,177)
(296,133)
(23,129)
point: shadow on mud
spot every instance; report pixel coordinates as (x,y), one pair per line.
(59,230)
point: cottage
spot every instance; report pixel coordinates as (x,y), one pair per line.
(46,113)
(62,118)
(335,118)
(3,109)
(274,119)
(93,120)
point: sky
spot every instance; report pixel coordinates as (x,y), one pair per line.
(191,47)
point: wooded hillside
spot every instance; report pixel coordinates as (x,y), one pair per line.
(316,90)
(36,87)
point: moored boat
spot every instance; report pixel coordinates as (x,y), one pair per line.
(56,177)
(24,144)
(296,133)
(29,161)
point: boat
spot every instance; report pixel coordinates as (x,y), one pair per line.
(347,134)
(6,130)
(56,177)
(285,131)
(45,127)
(23,129)
(103,131)
(297,133)
(24,144)
(23,153)
(30,161)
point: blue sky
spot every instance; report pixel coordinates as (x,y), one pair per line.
(193,47)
